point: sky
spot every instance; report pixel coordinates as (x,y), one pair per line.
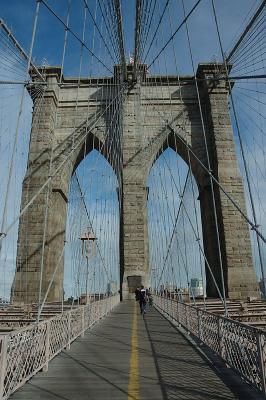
(48,50)
(19,16)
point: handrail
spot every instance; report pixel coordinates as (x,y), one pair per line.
(28,350)
(241,346)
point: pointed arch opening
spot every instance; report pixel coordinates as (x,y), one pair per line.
(91,263)
(174,227)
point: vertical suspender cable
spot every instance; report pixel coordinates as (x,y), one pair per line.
(120,37)
(241,145)
(208,163)
(137,38)
(65,40)
(18,122)
(247,29)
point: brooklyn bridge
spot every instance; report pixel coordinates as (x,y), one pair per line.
(132,205)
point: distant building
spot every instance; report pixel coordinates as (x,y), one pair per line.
(262,287)
(196,288)
(169,286)
(112,287)
(86,298)
(4,302)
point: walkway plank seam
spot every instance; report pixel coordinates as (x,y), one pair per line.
(98,365)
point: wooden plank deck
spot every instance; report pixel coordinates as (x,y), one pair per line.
(164,365)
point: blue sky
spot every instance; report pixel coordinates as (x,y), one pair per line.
(48,49)
(50,33)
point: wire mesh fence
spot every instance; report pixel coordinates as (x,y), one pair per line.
(28,350)
(242,347)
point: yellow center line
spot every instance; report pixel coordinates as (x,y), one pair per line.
(133,384)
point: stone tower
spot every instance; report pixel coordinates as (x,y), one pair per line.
(157,112)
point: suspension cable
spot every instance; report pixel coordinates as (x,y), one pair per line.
(75,35)
(175,32)
(241,145)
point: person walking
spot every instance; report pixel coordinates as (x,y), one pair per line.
(137,292)
(150,300)
(142,300)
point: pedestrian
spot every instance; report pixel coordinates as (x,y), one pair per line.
(137,293)
(142,300)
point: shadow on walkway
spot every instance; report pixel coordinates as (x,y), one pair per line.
(184,373)
(97,366)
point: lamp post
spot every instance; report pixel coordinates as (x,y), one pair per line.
(88,251)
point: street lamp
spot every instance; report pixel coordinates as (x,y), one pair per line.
(88,239)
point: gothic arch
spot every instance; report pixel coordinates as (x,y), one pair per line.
(61,133)
(145,134)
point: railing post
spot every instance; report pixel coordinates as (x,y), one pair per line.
(94,319)
(109,303)
(171,308)
(106,302)
(68,330)
(220,337)
(105,305)
(186,315)
(3,364)
(93,309)
(199,323)
(189,317)
(98,310)
(89,313)
(47,346)
(83,322)
(101,309)
(261,361)
(86,316)
(177,311)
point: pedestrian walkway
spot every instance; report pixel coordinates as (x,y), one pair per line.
(127,357)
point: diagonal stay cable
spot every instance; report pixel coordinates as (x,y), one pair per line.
(175,32)
(246,31)
(203,166)
(247,175)
(4,234)
(120,36)
(148,29)
(75,35)
(156,30)
(176,220)
(145,21)
(98,30)
(89,219)
(18,121)
(195,232)
(137,36)
(182,204)
(109,28)
(27,57)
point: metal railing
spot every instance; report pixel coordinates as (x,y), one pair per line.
(241,346)
(28,350)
